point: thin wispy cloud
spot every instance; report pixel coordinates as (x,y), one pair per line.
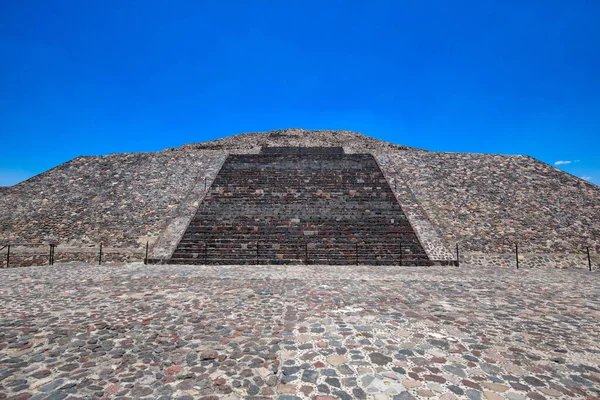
(586,178)
(564,162)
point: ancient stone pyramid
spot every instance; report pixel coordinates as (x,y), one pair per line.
(299,196)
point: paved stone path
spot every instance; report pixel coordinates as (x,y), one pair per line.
(317,332)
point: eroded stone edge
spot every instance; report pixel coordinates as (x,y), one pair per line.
(173,232)
(432,243)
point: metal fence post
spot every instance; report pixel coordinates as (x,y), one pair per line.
(517,254)
(100,255)
(306,253)
(356,253)
(205,253)
(457,256)
(51,255)
(257,252)
(400,253)
(589,258)
(205,184)
(8,256)
(146,256)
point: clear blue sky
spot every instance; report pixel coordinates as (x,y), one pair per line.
(99,77)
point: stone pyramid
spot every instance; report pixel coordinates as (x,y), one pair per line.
(484,205)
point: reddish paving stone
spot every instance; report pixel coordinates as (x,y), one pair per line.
(175,369)
(471,384)
(434,378)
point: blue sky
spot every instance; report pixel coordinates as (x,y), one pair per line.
(92,78)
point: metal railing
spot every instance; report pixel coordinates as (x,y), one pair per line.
(228,252)
(224,251)
(42,251)
(518,253)
(13,254)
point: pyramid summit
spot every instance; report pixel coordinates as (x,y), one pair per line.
(297,137)
(296,196)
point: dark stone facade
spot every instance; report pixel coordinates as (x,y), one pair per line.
(320,206)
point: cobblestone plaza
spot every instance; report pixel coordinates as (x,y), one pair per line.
(131,331)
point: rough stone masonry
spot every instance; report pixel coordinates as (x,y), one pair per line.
(484,203)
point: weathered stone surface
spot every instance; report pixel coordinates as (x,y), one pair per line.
(486,203)
(336,360)
(345,209)
(245,143)
(121,200)
(252,332)
(380,359)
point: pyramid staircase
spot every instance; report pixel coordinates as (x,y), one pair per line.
(291,205)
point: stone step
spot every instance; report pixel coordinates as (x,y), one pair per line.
(292,204)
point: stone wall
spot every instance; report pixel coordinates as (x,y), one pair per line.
(122,200)
(431,239)
(23,256)
(173,232)
(490,202)
(529,260)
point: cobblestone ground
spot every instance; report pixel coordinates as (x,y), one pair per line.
(317,332)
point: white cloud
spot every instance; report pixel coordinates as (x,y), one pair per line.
(586,178)
(564,162)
